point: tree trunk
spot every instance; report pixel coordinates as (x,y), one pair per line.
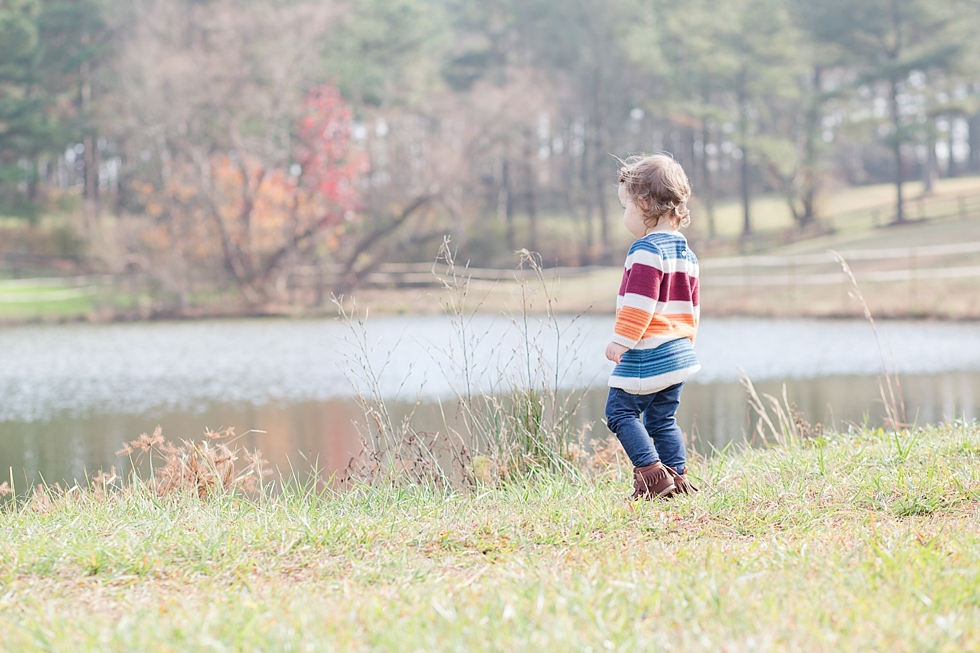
(90,207)
(897,151)
(746,199)
(743,137)
(531,199)
(600,199)
(90,160)
(951,168)
(931,163)
(810,162)
(599,181)
(691,154)
(707,180)
(32,181)
(973,125)
(505,205)
(588,243)
(600,139)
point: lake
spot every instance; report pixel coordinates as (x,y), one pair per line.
(71,394)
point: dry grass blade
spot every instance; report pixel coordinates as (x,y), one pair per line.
(787,423)
(889,385)
(759,407)
(392,452)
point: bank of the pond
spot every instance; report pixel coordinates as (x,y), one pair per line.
(863,541)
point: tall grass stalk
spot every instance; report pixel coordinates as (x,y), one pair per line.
(889,385)
(510,414)
(394,452)
(525,422)
(786,424)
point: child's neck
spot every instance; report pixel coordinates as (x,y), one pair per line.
(662,225)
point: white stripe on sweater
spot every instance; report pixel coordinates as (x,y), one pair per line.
(665,265)
(654,341)
(652,384)
(643,303)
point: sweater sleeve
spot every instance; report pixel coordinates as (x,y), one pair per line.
(639,293)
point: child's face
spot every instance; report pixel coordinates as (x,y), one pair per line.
(632,217)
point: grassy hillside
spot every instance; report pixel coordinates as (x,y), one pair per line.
(854,542)
(770,213)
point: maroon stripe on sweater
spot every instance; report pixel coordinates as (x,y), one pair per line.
(649,282)
(678,287)
(642,280)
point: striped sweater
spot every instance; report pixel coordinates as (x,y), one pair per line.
(657,314)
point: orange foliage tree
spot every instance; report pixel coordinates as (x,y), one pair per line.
(265,215)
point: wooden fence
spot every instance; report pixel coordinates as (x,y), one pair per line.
(884,265)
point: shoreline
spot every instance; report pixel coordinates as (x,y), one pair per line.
(381,309)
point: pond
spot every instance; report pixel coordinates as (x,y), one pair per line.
(71,394)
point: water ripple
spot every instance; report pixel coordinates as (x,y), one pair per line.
(131,368)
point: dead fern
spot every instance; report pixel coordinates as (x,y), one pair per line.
(204,467)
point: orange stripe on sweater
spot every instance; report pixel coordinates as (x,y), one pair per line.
(635,324)
(680,325)
(631,322)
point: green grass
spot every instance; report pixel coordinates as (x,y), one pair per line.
(865,542)
(12,307)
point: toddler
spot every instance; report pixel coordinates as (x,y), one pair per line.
(656,321)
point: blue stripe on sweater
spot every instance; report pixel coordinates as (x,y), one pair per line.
(664,245)
(668,357)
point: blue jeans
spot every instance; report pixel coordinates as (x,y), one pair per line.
(655,438)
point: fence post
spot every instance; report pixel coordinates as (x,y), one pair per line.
(913,276)
(745,281)
(793,286)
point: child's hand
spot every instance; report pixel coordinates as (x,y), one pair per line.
(615,351)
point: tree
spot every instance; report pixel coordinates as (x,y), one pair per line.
(49,54)
(762,45)
(22,116)
(205,107)
(888,41)
(682,51)
(264,216)
(725,62)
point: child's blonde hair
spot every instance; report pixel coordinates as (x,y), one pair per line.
(658,187)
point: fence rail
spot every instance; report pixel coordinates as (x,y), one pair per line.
(800,269)
(890,253)
(922,208)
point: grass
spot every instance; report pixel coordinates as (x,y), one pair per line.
(853,542)
(771,213)
(30,302)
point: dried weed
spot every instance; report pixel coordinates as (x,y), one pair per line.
(203,467)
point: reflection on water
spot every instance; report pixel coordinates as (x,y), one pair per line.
(298,433)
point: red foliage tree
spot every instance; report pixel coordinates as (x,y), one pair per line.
(329,165)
